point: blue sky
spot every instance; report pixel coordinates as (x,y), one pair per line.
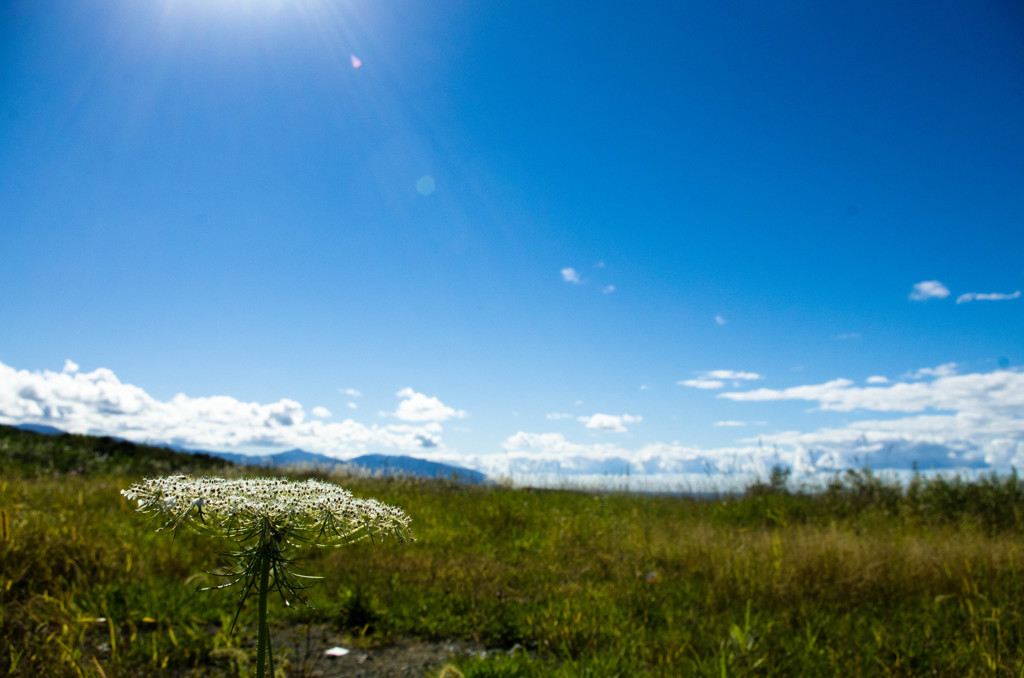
(519,235)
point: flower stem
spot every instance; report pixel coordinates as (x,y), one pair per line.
(263,638)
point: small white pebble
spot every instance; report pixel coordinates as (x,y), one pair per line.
(336,652)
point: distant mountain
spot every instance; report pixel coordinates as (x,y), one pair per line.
(41,428)
(241,459)
(379,464)
(297,457)
(421,468)
(281,459)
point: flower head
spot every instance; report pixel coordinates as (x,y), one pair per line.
(266,516)
(323,513)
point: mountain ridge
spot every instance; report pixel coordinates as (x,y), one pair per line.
(380,464)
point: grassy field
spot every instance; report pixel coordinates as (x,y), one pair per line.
(861,578)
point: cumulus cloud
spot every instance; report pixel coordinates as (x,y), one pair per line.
(551,453)
(609,422)
(418,407)
(999,392)
(987,433)
(994,296)
(571,275)
(350,392)
(959,440)
(321,412)
(70,367)
(98,402)
(946,420)
(933,441)
(878,380)
(928,289)
(950,421)
(719,320)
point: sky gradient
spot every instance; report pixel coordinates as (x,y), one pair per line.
(519,236)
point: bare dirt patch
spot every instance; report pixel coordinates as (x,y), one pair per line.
(304,652)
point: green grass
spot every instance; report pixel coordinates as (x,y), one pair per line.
(859,578)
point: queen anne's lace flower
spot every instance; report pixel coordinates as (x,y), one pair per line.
(266,517)
(323,513)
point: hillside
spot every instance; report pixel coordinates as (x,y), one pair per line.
(48,449)
(34,453)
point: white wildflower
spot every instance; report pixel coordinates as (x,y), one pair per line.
(312,510)
(265,516)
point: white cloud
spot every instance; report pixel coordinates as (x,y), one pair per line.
(929,289)
(1000,392)
(701,383)
(351,392)
(538,453)
(70,367)
(716,378)
(817,392)
(848,335)
(608,289)
(559,415)
(933,441)
(987,433)
(953,422)
(351,405)
(98,402)
(994,296)
(321,412)
(610,422)
(571,275)
(878,379)
(733,374)
(551,451)
(944,370)
(950,421)
(418,407)
(720,320)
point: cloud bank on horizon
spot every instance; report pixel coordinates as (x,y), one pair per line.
(934,417)
(97,402)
